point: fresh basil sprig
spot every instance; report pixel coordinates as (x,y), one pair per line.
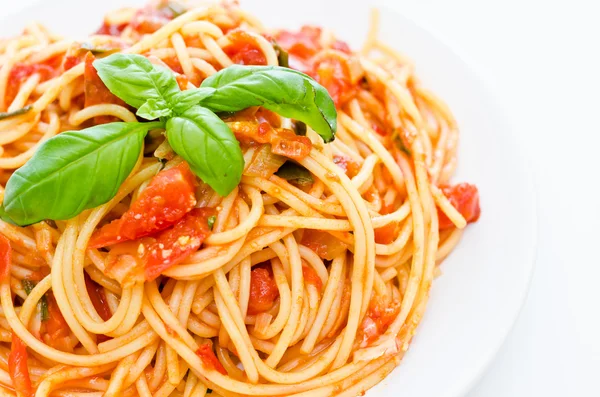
(77,170)
(285,91)
(74,171)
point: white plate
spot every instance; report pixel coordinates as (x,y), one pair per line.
(484,282)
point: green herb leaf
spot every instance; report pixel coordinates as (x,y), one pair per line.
(211,221)
(296,173)
(134,79)
(44,308)
(285,91)
(28,285)
(74,171)
(18,112)
(184,100)
(209,146)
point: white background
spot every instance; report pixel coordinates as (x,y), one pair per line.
(542,59)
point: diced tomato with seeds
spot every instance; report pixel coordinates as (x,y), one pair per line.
(174,245)
(377,320)
(465,198)
(167,198)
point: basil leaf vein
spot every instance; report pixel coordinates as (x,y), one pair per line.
(208,145)
(285,91)
(74,171)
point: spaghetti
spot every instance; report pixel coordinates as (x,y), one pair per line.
(308,279)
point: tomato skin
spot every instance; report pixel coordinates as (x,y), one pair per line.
(18,368)
(311,277)
(174,245)
(263,289)
(323,244)
(96,92)
(465,198)
(243,49)
(167,198)
(5,258)
(209,359)
(377,320)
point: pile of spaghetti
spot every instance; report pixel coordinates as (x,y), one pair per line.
(309,277)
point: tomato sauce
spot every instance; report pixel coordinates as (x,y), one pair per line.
(5,258)
(21,72)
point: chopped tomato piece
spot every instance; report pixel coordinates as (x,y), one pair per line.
(209,359)
(55,329)
(173,64)
(18,368)
(147,258)
(243,49)
(21,72)
(311,277)
(263,289)
(377,320)
(149,19)
(174,245)
(323,243)
(95,90)
(166,199)
(304,44)
(283,141)
(465,198)
(5,258)
(350,167)
(111,30)
(333,73)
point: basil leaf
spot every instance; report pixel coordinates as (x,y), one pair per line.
(18,112)
(28,285)
(184,100)
(44,308)
(211,221)
(134,79)
(294,172)
(74,171)
(285,91)
(209,146)
(153,109)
